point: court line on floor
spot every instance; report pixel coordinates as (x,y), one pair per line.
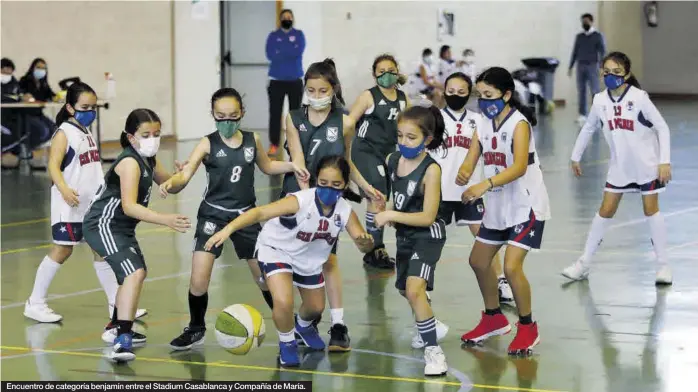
(276,369)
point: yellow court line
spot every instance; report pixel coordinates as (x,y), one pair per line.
(275,369)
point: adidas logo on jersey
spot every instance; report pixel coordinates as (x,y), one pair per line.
(145,174)
(382,103)
(415,256)
(302,128)
(221,154)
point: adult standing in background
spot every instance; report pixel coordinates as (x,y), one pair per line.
(284,49)
(589,49)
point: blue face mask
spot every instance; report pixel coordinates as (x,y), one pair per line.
(613,81)
(491,107)
(85,117)
(410,152)
(328,195)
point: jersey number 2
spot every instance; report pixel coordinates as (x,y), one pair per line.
(235,177)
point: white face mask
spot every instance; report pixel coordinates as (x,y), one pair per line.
(429,59)
(319,103)
(148,147)
(5,78)
(469,59)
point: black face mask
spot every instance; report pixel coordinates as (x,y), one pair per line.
(286,24)
(456,102)
(586,26)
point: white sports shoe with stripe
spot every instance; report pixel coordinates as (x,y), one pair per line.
(441,331)
(41,312)
(435,361)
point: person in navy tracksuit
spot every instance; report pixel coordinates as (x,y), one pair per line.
(284,49)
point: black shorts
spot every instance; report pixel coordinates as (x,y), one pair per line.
(464,213)
(527,235)
(417,257)
(211,219)
(120,250)
(649,188)
(372,168)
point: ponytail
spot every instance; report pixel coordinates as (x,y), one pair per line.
(526,110)
(72,97)
(327,70)
(123,139)
(632,80)
(439,129)
(401,79)
(623,59)
(429,120)
(63,115)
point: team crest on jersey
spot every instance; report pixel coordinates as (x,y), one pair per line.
(332,134)
(145,174)
(411,186)
(504,136)
(302,128)
(249,154)
(471,123)
(209,228)
(337,220)
(630,106)
(518,229)
(480,208)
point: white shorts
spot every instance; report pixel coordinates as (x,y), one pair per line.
(274,261)
(66,221)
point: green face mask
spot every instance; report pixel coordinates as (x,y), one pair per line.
(387,79)
(227,128)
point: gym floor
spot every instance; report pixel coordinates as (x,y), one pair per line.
(615,333)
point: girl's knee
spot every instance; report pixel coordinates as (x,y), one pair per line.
(512,270)
(416,290)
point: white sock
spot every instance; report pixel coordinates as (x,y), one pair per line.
(302,323)
(287,336)
(658,233)
(594,238)
(107,279)
(337,316)
(44,275)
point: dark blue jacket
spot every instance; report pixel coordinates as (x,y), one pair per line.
(285,52)
(588,49)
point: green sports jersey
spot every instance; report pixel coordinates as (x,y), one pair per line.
(317,141)
(408,197)
(230,172)
(105,213)
(377,130)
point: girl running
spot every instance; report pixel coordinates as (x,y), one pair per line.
(419,225)
(229,155)
(318,129)
(376,138)
(640,161)
(76,172)
(517,205)
(293,246)
(461,124)
(110,223)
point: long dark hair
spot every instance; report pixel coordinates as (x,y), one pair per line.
(72,97)
(502,80)
(462,76)
(430,121)
(134,121)
(326,70)
(622,59)
(30,72)
(401,78)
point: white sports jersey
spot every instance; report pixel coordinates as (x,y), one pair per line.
(511,204)
(82,171)
(636,133)
(459,133)
(415,80)
(306,237)
(446,68)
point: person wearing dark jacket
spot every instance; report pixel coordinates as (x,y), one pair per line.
(8,117)
(284,50)
(589,49)
(34,85)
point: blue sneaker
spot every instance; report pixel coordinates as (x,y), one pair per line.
(123,349)
(310,336)
(288,354)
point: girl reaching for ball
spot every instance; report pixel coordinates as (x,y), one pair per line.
(293,246)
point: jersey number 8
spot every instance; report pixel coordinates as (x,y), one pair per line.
(399,200)
(235,177)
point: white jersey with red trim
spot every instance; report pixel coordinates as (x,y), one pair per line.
(511,204)
(82,171)
(306,237)
(635,131)
(459,132)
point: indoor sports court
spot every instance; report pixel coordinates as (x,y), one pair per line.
(616,332)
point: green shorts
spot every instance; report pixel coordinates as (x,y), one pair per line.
(211,219)
(372,168)
(120,250)
(417,257)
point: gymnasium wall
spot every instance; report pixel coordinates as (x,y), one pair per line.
(133,40)
(670,50)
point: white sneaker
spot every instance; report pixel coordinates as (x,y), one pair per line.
(41,313)
(505,293)
(435,361)
(581,120)
(664,275)
(110,334)
(576,271)
(139,312)
(441,331)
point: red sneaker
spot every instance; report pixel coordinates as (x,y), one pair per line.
(526,338)
(489,326)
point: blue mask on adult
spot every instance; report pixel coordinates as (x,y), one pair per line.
(410,152)
(491,107)
(39,73)
(613,81)
(328,195)
(85,117)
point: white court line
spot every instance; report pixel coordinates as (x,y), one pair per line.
(641,220)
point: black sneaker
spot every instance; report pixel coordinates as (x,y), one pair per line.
(192,336)
(339,338)
(299,340)
(379,258)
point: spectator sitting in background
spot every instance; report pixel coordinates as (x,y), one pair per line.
(446,64)
(8,117)
(34,85)
(467,64)
(423,81)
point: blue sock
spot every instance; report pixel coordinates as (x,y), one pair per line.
(427,330)
(375,232)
